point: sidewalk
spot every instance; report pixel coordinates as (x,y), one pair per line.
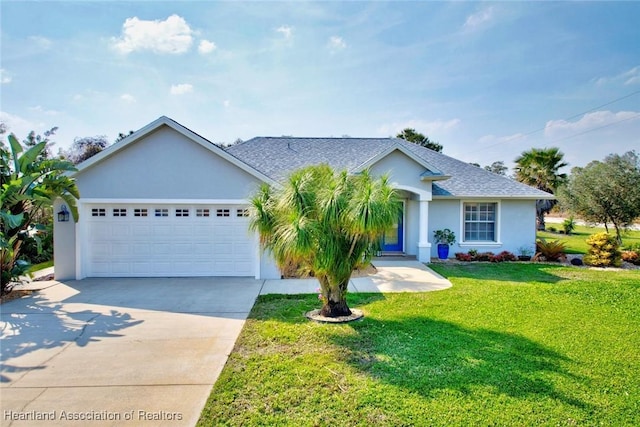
(392,276)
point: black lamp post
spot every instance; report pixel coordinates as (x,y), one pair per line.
(63,215)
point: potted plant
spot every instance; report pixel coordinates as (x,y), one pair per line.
(444,238)
(524,253)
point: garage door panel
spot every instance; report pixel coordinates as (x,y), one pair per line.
(163,246)
(142,231)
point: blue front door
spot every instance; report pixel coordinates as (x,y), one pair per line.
(392,239)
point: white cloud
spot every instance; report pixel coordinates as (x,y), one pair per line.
(226,103)
(40,110)
(493,139)
(128,98)
(181,89)
(632,76)
(478,19)
(206,46)
(286,31)
(18,125)
(629,77)
(41,42)
(336,43)
(173,35)
(588,122)
(422,126)
(4,77)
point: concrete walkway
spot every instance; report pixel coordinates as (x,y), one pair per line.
(139,352)
(392,276)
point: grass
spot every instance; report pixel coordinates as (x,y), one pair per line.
(37,267)
(576,243)
(509,344)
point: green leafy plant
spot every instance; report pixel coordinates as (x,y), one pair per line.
(30,183)
(325,222)
(552,251)
(444,236)
(568,225)
(604,251)
(525,251)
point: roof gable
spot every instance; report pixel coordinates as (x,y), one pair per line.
(189,134)
(431,173)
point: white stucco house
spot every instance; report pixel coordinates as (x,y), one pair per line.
(167,202)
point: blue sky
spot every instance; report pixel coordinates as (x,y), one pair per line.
(486,80)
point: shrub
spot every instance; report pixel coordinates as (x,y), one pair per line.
(484,256)
(473,253)
(631,256)
(503,256)
(552,229)
(569,225)
(549,251)
(461,256)
(604,251)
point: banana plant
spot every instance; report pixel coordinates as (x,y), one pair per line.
(30,183)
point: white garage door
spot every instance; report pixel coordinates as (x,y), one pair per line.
(168,241)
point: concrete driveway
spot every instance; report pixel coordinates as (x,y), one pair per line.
(119,351)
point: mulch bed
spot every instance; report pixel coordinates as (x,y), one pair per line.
(14,294)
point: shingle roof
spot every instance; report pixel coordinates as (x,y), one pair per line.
(276,157)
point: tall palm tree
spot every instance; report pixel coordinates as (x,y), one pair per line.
(30,183)
(540,168)
(328,223)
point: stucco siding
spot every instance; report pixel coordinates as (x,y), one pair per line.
(165,165)
(402,170)
(412,226)
(516,225)
(64,245)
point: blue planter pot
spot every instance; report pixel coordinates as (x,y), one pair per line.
(443,251)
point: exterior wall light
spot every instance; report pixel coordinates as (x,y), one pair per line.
(63,215)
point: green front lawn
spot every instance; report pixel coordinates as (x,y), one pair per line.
(576,243)
(509,344)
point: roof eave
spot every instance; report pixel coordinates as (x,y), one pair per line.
(434,177)
(496,196)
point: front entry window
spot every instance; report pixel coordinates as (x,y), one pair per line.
(480,222)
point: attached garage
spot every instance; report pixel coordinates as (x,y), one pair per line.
(163,202)
(159,240)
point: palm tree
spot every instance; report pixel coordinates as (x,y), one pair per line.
(539,167)
(30,183)
(326,222)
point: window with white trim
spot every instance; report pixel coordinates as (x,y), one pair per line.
(98,212)
(242,212)
(182,212)
(202,212)
(480,222)
(222,212)
(162,212)
(140,212)
(119,212)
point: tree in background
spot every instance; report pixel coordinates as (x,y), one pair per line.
(30,184)
(123,135)
(326,222)
(417,138)
(498,168)
(34,139)
(540,168)
(85,148)
(605,192)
